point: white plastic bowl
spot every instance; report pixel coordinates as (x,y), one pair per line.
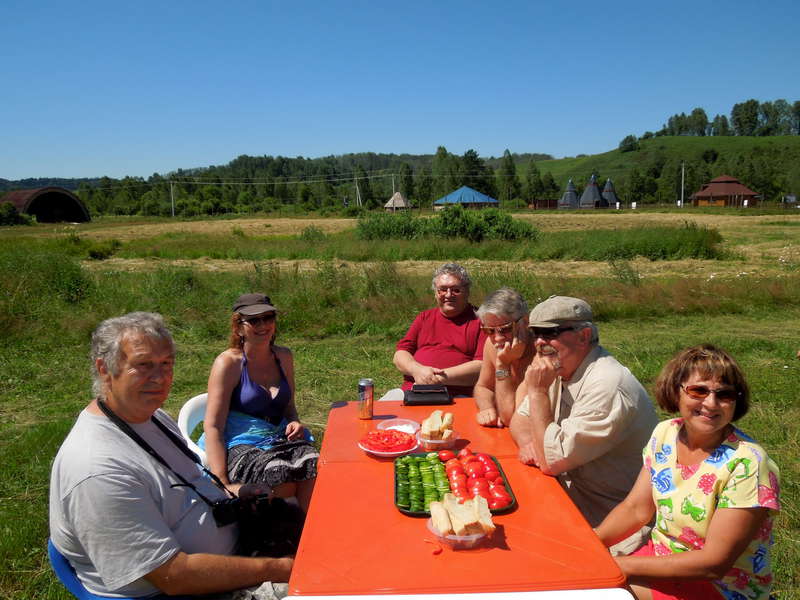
(436,445)
(457,542)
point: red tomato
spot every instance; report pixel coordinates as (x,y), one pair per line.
(474,469)
(492,475)
(464,452)
(485,493)
(462,495)
(485,458)
(452,463)
(458,480)
(499,481)
(498,503)
(478,483)
(500,493)
(446,455)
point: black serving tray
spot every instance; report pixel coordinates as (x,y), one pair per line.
(425,513)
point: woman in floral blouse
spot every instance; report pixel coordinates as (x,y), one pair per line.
(712,489)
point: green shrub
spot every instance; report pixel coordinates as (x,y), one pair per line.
(311,234)
(102,249)
(10,216)
(452,222)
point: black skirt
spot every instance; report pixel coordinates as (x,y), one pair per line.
(284,463)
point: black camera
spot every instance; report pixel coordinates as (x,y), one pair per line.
(226,511)
(253,503)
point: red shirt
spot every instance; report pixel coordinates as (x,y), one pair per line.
(437,341)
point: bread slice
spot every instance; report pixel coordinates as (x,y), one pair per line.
(462,516)
(431,427)
(483,514)
(441,519)
(447,434)
(447,422)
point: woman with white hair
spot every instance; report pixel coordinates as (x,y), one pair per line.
(506,354)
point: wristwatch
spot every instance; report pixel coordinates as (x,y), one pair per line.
(502,373)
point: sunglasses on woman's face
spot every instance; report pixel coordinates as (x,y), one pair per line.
(501,329)
(701,392)
(255,321)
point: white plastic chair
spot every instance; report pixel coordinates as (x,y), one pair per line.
(190,415)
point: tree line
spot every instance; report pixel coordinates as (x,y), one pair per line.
(751,118)
(347,184)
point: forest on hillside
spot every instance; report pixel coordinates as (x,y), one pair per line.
(759,144)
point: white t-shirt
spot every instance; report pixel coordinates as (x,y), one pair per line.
(115,513)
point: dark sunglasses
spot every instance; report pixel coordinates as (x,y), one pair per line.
(253,321)
(550,333)
(701,392)
(501,329)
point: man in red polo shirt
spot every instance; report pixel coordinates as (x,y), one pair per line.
(444,344)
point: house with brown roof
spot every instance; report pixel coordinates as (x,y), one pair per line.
(724,191)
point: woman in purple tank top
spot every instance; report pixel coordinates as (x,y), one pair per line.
(252,433)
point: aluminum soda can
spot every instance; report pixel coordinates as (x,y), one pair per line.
(365,398)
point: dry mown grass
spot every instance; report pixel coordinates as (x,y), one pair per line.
(765,249)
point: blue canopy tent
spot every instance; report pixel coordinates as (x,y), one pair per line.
(467,197)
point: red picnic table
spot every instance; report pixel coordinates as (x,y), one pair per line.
(356,542)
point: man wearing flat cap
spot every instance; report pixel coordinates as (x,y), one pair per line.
(582,417)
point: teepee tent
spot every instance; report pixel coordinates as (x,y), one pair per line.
(397,202)
(570,197)
(610,194)
(591,194)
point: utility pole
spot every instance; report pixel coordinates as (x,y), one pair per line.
(683,173)
(172,198)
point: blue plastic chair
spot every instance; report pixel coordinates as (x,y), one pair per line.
(67,576)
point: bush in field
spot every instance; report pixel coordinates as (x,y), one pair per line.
(10,216)
(81,247)
(383,226)
(311,234)
(452,222)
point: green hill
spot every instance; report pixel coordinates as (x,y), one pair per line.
(769,165)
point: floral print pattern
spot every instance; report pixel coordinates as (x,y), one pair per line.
(738,474)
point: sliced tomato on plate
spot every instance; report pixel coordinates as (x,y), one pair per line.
(388,440)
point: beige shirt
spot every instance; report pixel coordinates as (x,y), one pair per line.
(603,418)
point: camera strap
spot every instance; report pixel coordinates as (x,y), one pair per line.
(128,430)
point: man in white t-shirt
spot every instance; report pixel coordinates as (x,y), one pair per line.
(125,522)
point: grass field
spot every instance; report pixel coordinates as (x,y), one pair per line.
(342,319)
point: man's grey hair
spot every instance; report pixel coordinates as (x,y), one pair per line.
(107,341)
(455,270)
(505,302)
(595,338)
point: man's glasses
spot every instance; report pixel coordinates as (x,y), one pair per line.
(549,333)
(453,290)
(501,329)
(254,321)
(701,392)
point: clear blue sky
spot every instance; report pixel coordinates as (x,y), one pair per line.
(131,88)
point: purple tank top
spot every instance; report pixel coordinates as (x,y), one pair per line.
(252,399)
